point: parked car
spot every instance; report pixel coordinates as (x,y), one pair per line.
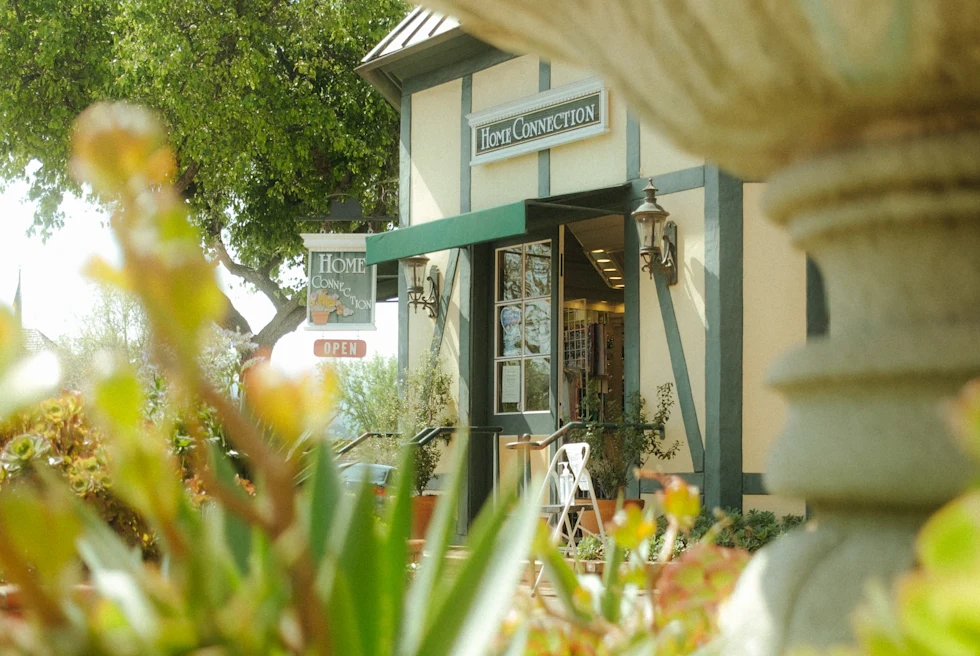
(380,477)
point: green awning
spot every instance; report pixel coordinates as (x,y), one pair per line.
(470,228)
(501,222)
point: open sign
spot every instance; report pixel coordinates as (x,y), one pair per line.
(340,348)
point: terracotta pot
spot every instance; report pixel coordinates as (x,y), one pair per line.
(607,509)
(319,318)
(422,508)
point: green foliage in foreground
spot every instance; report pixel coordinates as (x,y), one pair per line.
(285,572)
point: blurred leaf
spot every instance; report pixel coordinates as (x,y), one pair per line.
(324,495)
(43,529)
(631,528)
(682,502)
(237,533)
(394,556)
(434,562)
(468,614)
(562,578)
(950,540)
(359,560)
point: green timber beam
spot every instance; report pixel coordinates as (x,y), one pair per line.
(723,339)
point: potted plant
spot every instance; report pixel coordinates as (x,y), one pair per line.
(616,452)
(427,401)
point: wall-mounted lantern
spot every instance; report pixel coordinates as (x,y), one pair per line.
(658,236)
(416,278)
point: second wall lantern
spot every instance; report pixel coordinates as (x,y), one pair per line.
(658,236)
(415,277)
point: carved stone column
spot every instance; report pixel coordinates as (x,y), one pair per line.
(864,115)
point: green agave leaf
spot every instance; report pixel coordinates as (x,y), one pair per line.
(394,555)
(237,533)
(343,618)
(324,495)
(433,565)
(612,589)
(468,613)
(358,564)
(561,576)
(496,582)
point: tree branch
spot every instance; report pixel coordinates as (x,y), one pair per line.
(185,179)
(263,283)
(286,321)
(235,320)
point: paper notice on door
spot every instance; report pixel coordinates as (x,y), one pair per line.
(510,384)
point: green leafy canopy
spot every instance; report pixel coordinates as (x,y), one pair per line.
(264,110)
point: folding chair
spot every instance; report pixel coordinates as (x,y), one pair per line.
(577,456)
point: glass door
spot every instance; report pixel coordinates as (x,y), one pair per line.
(526,322)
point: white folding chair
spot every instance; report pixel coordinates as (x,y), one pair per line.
(577,455)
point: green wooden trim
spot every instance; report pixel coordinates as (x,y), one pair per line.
(544,156)
(465,170)
(448,284)
(753,483)
(817,315)
(651,486)
(682,379)
(455,71)
(470,228)
(633,147)
(404,219)
(631,275)
(723,339)
(668,183)
(405,164)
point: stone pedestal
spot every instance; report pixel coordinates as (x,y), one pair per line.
(895,228)
(864,117)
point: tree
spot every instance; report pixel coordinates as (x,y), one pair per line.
(266,115)
(115,323)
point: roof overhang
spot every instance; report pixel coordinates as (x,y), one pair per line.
(424,42)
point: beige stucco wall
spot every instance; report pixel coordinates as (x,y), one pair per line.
(774,320)
(687,209)
(436,116)
(659,155)
(515,178)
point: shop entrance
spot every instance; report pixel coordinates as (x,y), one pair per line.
(558,326)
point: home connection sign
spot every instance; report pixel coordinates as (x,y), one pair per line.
(340,286)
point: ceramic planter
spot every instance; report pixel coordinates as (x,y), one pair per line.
(607,510)
(422,509)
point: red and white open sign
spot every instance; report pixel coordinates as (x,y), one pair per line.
(340,348)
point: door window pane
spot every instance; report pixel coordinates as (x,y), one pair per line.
(537,383)
(537,270)
(509,275)
(537,331)
(509,386)
(510,331)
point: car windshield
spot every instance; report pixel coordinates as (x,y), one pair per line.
(360,472)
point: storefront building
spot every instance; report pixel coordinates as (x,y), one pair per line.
(519,178)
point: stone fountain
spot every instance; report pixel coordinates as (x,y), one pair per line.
(864,117)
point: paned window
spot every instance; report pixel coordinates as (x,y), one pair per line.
(522,319)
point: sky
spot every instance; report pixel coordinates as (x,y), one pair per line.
(55,295)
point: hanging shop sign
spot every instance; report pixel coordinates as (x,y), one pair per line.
(341,288)
(340,348)
(550,118)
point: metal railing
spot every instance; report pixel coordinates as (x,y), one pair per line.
(361,439)
(525,445)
